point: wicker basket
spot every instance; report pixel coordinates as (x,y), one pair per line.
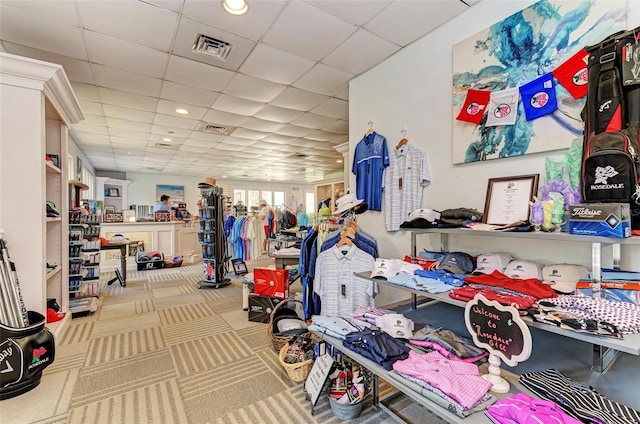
(279,341)
(297,372)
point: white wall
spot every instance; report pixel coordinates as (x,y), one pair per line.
(142,190)
(412,89)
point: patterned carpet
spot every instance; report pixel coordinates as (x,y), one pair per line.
(163,351)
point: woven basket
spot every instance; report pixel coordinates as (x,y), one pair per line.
(279,341)
(297,372)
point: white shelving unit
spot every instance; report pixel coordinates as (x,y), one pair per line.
(333,189)
(38,106)
(112,185)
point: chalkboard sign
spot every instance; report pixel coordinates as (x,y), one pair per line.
(317,376)
(112,217)
(499,329)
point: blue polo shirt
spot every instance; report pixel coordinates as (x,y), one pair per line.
(370,158)
(161,207)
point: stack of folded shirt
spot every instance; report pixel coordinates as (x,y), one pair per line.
(522,409)
(448,344)
(370,313)
(377,346)
(337,327)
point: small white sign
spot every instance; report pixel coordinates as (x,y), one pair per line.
(317,377)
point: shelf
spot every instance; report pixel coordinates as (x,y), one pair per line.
(55,271)
(58,327)
(52,169)
(52,219)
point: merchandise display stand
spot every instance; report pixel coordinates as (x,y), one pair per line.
(212,238)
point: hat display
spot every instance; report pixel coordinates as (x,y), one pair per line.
(523,270)
(457,263)
(395,325)
(350,201)
(207,182)
(489,262)
(563,277)
(384,268)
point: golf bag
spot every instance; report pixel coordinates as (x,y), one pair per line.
(610,158)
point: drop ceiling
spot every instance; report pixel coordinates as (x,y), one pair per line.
(274,109)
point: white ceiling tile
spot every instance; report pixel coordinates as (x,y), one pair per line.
(188,95)
(230,147)
(261,124)
(173,5)
(128,143)
(307,31)
(61,11)
(93,129)
(278,114)
(125,55)
(94,120)
(163,138)
(129,100)
(333,108)
(324,79)
(194,149)
(339,127)
(294,98)
(22,28)
(238,141)
(319,135)
(416,18)
(355,11)
(275,65)
(92,108)
(224,118)
(169,108)
(128,125)
(197,74)
(189,30)
(206,137)
(131,20)
(200,143)
(248,134)
(76,69)
(246,155)
(252,24)
(252,88)
(127,133)
(311,120)
(126,81)
(280,138)
(170,131)
(119,112)
(362,51)
(237,105)
(343,95)
(90,138)
(175,121)
(294,130)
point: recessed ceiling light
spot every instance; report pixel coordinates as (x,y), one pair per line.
(339,161)
(235,7)
(167,139)
(224,176)
(182,111)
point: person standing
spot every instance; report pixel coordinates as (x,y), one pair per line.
(264,214)
(163,204)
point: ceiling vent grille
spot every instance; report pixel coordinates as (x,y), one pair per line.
(212,47)
(164,145)
(215,128)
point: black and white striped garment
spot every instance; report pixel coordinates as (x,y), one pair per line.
(578,399)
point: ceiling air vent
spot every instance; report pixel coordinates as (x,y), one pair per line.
(215,128)
(164,145)
(210,46)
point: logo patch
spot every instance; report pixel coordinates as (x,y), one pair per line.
(539,100)
(502,110)
(602,174)
(581,77)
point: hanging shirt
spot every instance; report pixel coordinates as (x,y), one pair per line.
(370,159)
(407,175)
(340,291)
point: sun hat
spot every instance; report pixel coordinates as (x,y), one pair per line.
(384,268)
(489,262)
(207,182)
(350,201)
(523,270)
(457,263)
(563,277)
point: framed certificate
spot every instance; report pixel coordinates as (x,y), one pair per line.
(508,199)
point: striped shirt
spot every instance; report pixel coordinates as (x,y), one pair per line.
(578,399)
(404,180)
(340,291)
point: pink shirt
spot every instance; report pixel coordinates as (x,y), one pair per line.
(460,380)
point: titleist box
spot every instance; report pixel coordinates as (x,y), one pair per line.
(600,219)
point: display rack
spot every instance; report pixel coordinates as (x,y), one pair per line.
(212,238)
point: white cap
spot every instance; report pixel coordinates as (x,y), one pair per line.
(563,277)
(395,325)
(384,268)
(428,214)
(489,262)
(523,270)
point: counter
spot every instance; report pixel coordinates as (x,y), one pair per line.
(173,238)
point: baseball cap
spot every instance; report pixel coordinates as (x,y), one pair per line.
(428,214)
(457,263)
(395,325)
(523,270)
(563,277)
(488,262)
(384,268)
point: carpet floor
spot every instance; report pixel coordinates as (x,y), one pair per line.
(163,351)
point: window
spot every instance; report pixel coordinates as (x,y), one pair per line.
(268,196)
(239,196)
(71,168)
(310,202)
(253,198)
(88,178)
(278,198)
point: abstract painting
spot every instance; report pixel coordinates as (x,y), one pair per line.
(515,51)
(175,192)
